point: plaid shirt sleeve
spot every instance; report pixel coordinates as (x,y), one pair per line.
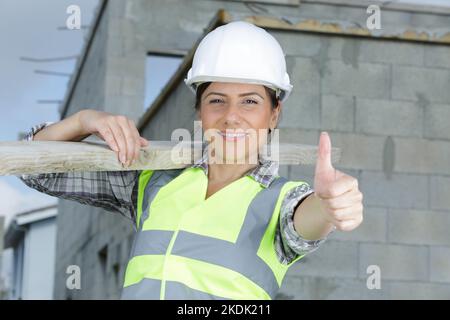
(111,190)
(288,243)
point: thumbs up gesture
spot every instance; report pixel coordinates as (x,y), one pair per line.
(340,198)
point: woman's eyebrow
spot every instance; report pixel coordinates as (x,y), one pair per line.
(251,93)
(240,95)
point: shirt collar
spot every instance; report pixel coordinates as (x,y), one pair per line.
(265,172)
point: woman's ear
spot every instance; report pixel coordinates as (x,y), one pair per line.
(275,115)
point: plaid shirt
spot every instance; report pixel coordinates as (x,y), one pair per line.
(116,191)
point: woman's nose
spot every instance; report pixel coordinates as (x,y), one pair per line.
(232,114)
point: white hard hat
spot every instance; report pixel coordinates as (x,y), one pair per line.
(240,52)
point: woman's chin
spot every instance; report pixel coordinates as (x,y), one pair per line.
(237,158)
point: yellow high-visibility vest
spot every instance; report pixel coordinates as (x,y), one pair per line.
(219,248)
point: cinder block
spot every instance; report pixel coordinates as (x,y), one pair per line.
(440,264)
(358,151)
(283,171)
(115,46)
(439,193)
(306,173)
(421,156)
(133,86)
(400,191)
(325,259)
(305,113)
(304,76)
(160,125)
(372,229)
(385,117)
(131,106)
(301,44)
(430,20)
(408,83)
(338,113)
(419,291)
(394,52)
(302,109)
(182,114)
(302,173)
(437,121)
(369,80)
(437,56)
(116,9)
(298,135)
(133,46)
(324,288)
(113,85)
(126,66)
(355,50)
(121,27)
(419,227)
(397,262)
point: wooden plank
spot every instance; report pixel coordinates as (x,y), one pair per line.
(345,28)
(33,157)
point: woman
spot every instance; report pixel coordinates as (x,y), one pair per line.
(226,227)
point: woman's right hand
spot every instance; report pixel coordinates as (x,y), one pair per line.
(118,131)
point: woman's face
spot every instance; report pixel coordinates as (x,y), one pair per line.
(236,117)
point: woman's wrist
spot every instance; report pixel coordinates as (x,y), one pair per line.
(81,117)
(311,219)
(85,119)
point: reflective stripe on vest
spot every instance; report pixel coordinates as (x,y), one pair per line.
(219,248)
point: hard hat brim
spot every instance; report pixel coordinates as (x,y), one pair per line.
(194,82)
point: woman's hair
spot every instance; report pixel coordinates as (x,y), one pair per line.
(202,87)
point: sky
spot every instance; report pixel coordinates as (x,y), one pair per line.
(32,28)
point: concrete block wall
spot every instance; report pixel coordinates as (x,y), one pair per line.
(385,103)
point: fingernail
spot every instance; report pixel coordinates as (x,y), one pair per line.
(122,158)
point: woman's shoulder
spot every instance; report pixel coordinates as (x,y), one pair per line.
(156,174)
(290,183)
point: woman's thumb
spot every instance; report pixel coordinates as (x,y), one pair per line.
(144,142)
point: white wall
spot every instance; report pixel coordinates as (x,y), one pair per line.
(6,271)
(39,260)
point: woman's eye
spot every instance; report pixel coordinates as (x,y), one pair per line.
(251,101)
(215,101)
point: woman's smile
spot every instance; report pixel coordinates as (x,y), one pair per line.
(231,135)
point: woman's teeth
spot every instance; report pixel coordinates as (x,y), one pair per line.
(232,136)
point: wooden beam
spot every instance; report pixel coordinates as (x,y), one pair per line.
(345,28)
(33,157)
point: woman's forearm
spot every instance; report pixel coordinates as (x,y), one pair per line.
(119,132)
(68,129)
(309,219)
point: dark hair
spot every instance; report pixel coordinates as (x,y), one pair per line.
(202,87)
